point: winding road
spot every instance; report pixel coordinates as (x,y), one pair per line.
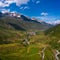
(56,55)
(43,55)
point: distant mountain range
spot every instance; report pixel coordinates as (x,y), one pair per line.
(20,22)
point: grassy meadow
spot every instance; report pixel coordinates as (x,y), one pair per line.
(40,46)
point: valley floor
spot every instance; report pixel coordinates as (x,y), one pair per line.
(41,47)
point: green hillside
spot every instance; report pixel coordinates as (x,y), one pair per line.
(54,34)
(35,50)
(19,45)
(54,31)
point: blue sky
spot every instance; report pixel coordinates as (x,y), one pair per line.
(46,10)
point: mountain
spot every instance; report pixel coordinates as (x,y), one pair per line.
(54,31)
(44,23)
(1,14)
(20,22)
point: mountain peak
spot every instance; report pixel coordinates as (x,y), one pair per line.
(11,14)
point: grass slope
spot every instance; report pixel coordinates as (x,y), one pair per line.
(54,31)
(33,51)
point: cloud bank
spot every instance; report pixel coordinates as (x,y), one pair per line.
(6,3)
(54,22)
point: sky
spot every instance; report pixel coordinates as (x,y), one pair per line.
(46,10)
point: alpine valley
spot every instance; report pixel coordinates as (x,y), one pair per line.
(25,38)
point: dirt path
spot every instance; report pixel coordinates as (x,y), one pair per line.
(56,55)
(42,53)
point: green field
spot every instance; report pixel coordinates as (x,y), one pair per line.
(15,49)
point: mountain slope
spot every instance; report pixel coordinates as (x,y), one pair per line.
(54,31)
(20,22)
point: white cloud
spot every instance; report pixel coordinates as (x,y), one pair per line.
(26,7)
(5,10)
(44,13)
(45,18)
(37,2)
(54,22)
(23,8)
(9,1)
(4,3)
(49,19)
(20,2)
